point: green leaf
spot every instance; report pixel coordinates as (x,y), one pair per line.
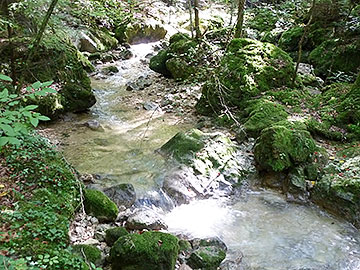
(4,140)
(36,85)
(13,140)
(4,93)
(43,118)
(34,121)
(5,78)
(45,84)
(7,129)
(31,107)
(50,90)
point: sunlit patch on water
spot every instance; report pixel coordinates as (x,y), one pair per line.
(271,233)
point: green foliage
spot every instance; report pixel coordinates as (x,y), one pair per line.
(38,225)
(16,119)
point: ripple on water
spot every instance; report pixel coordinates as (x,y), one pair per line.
(271,233)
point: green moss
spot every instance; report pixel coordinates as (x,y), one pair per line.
(184,145)
(150,250)
(88,253)
(289,40)
(179,69)
(264,20)
(207,258)
(179,36)
(262,114)
(158,62)
(113,234)
(97,204)
(247,69)
(61,62)
(335,55)
(279,148)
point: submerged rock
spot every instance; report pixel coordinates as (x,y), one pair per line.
(97,204)
(149,250)
(122,194)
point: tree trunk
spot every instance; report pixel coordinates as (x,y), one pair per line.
(306,28)
(35,44)
(191,18)
(197,20)
(240,19)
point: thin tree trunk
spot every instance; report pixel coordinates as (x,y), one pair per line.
(240,19)
(231,12)
(306,28)
(197,19)
(191,19)
(35,44)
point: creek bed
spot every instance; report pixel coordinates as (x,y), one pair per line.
(270,233)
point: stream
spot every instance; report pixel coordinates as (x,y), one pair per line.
(271,233)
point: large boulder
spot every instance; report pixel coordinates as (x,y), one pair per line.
(97,204)
(338,187)
(149,250)
(283,146)
(210,164)
(59,61)
(140,33)
(176,60)
(248,68)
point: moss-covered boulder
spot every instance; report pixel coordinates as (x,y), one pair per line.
(141,33)
(179,69)
(88,253)
(262,114)
(289,40)
(184,145)
(176,60)
(207,258)
(59,61)
(158,63)
(150,250)
(97,204)
(349,109)
(336,55)
(281,147)
(113,234)
(338,188)
(248,68)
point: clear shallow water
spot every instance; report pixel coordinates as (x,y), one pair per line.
(271,233)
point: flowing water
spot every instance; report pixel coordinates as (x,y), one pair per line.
(270,233)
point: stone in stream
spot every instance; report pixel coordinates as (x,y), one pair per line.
(151,106)
(139,84)
(122,194)
(207,253)
(146,251)
(145,218)
(94,125)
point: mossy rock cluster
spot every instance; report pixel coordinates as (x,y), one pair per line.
(99,205)
(175,61)
(282,146)
(248,68)
(59,61)
(149,250)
